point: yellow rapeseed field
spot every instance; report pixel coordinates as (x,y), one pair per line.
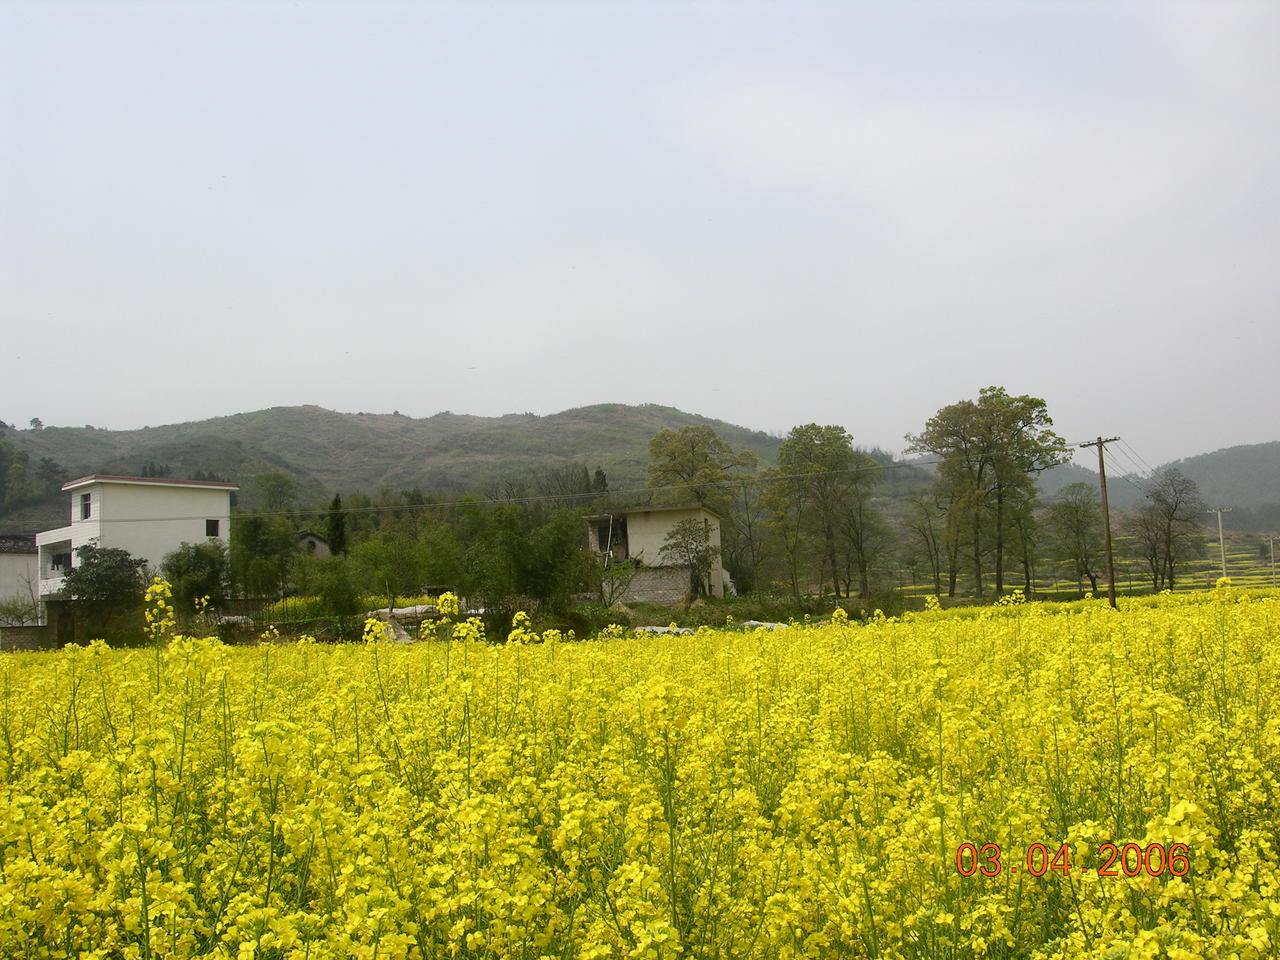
(797,793)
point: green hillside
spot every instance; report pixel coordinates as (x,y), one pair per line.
(325,451)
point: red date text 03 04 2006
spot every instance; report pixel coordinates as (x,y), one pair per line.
(1129,860)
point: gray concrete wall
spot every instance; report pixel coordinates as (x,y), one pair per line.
(664,585)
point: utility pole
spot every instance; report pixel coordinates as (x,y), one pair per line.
(1273,563)
(1222,544)
(1106,516)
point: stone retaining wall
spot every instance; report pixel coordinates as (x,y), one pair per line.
(27,638)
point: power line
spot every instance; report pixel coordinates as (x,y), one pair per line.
(542,498)
(1151,472)
(1139,485)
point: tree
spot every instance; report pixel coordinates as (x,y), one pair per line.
(334,580)
(36,423)
(392,564)
(744,539)
(688,544)
(611,579)
(512,560)
(693,464)
(823,493)
(51,474)
(105,575)
(990,449)
(336,527)
(105,584)
(1074,523)
(1168,530)
(19,612)
(263,552)
(15,476)
(198,570)
(276,491)
(926,521)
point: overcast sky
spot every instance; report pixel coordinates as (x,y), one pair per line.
(771,213)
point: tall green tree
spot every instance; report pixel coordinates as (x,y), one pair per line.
(263,554)
(336,527)
(52,475)
(198,570)
(1169,530)
(822,493)
(688,544)
(276,491)
(693,465)
(1073,521)
(105,585)
(393,564)
(990,449)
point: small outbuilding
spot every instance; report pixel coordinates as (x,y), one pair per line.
(19,568)
(312,544)
(640,533)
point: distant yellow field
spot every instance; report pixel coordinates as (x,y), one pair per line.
(797,793)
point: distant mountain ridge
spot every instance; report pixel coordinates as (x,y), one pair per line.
(326,451)
(1245,478)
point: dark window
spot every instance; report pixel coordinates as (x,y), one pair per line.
(211,528)
(86,506)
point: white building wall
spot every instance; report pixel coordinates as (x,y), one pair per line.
(151,521)
(19,576)
(647,531)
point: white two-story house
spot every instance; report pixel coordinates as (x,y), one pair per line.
(149,517)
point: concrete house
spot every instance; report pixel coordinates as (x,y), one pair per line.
(312,544)
(19,572)
(638,533)
(148,516)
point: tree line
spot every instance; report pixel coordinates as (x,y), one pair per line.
(966,520)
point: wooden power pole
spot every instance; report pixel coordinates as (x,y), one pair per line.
(1106,516)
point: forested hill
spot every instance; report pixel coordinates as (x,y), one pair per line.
(1245,478)
(325,451)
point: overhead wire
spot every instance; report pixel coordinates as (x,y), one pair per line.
(541,498)
(1133,472)
(1150,469)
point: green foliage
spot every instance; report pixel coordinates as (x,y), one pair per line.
(1168,531)
(198,570)
(105,586)
(276,491)
(105,575)
(611,579)
(18,612)
(689,545)
(393,563)
(693,464)
(990,449)
(513,562)
(1074,524)
(820,507)
(263,553)
(17,486)
(336,527)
